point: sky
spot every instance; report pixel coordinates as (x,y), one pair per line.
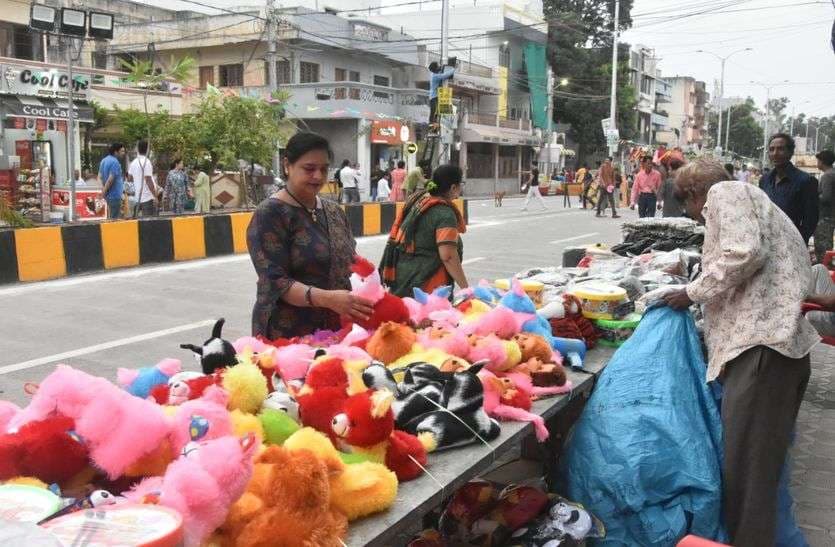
(790,40)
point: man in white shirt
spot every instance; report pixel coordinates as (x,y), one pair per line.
(756,273)
(141,172)
(744,175)
(350,183)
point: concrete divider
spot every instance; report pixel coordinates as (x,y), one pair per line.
(49,252)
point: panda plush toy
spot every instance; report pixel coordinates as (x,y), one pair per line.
(215,353)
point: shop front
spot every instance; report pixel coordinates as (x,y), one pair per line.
(34,111)
(388,140)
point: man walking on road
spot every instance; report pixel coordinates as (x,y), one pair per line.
(112,180)
(141,172)
(789,188)
(606,190)
(645,189)
(349,177)
(755,274)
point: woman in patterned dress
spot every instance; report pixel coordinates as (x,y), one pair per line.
(302,250)
(176,188)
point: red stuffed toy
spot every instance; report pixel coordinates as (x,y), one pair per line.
(365,283)
(366,425)
(47,450)
(181,391)
(323,395)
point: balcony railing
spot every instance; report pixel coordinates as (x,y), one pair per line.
(347,99)
(660,120)
(494,120)
(464,66)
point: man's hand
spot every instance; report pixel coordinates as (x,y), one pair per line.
(660,206)
(632,206)
(677,299)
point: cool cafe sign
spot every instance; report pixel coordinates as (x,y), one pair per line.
(49,83)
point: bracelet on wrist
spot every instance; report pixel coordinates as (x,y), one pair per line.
(308,296)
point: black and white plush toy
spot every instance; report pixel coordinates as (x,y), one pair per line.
(215,352)
(446,408)
(565,524)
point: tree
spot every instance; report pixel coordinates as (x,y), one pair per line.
(579,50)
(746,135)
(143,74)
(232,128)
(100,116)
(777,110)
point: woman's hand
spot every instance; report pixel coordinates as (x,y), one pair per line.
(347,304)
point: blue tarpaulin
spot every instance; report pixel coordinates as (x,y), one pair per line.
(645,456)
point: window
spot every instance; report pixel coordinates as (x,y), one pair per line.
(308,72)
(339,75)
(504,56)
(354,76)
(282,72)
(480,160)
(207,76)
(99,59)
(231,75)
(24,43)
(508,162)
(381,80)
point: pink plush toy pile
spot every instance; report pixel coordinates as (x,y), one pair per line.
(106,417)
(202,484)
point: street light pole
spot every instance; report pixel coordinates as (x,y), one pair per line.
(71,131)
(767,114)
(271,68)
(722,90)
(728,129)
(613,94)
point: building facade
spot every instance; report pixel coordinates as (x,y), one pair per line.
(652,94)
(687,114)
(500,86)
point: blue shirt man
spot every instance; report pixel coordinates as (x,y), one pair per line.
(792,190)
(113,183)
(436,80)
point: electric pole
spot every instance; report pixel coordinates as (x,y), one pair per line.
(71,128)
(613,95)
(767,87)
(443,129)
(272,33)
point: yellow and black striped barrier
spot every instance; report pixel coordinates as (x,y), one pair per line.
(49,252)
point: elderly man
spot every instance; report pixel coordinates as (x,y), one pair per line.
(755,274)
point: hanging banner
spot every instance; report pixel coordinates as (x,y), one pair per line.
(445,100)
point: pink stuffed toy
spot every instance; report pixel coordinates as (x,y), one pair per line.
(423,305)
(250,343)
(501,321)
(451,341)
(365,282)
(504,399)
(211,407)
(357,336)
(202,484)
(117,427)
(490,349)
(293,361)
(8,411)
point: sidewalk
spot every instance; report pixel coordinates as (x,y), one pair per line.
(813,456)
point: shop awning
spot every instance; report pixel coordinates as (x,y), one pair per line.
(506,137)
(24,106)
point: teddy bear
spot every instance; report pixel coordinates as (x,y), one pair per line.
(390,342)
(366,425)
(33,451)
(287,503)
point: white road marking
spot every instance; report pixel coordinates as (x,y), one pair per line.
(100,347)
(474,259)
(581,236)
(138,271)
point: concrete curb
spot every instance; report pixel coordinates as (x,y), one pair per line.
(49,252)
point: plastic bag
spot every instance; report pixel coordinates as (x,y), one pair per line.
(645,455)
